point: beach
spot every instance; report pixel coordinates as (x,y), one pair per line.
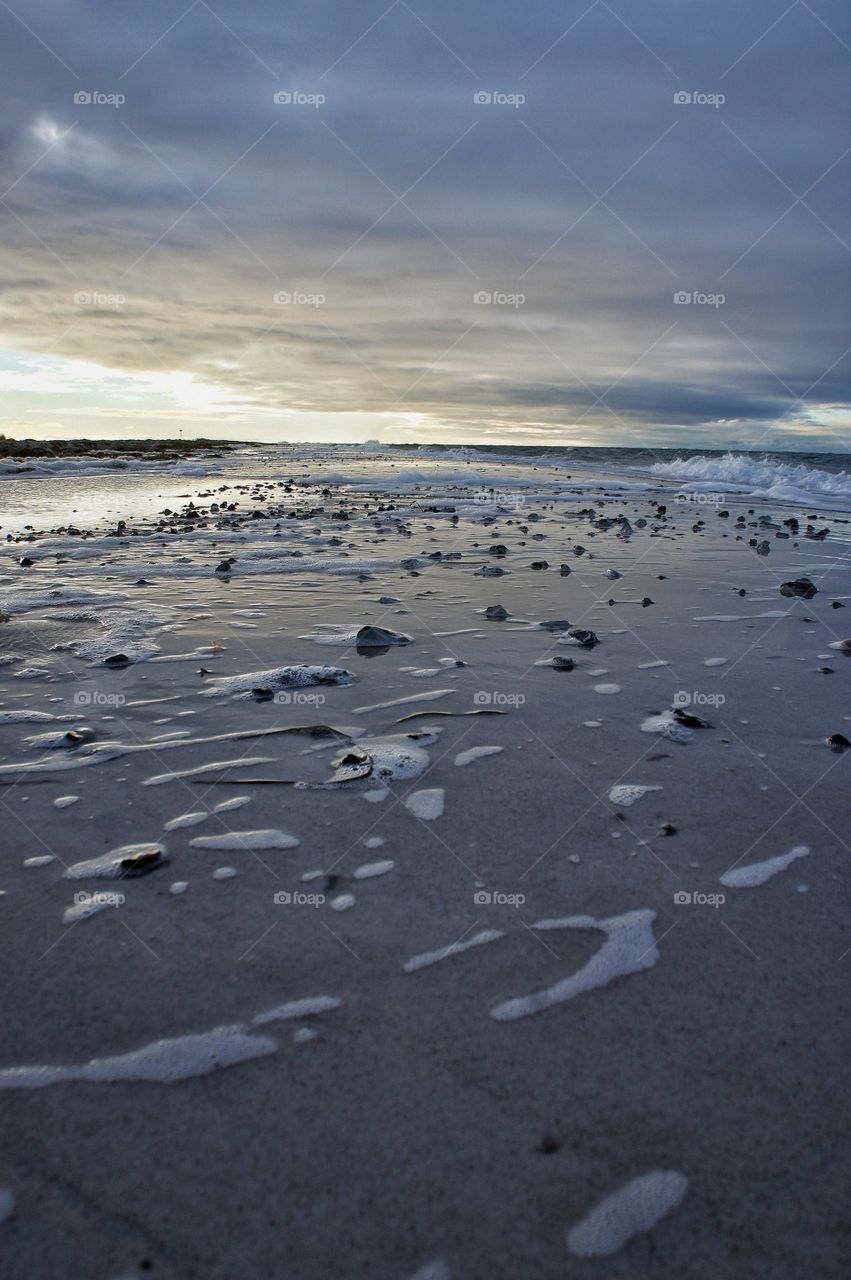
(466,843)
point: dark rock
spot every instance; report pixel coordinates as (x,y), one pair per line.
(838,742)
(801,587)
(563,664)
(117,660)
(496,613)
(584,637)
(380,638)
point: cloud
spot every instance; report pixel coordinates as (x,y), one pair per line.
(398,198)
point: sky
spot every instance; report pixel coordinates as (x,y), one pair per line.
(568,222)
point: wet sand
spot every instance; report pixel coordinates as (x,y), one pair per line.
(436,1113)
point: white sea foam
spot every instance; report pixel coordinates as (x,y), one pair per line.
(370,870)
(632,1209)
(760,478)
(428,696)
(475,753)
(306,1007)
(626,794)
(427,804)
(163,1061)
(756,873)
(185,820)
(453,949)
(269,838)
(630,946)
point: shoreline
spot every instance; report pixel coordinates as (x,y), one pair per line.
(587,1036)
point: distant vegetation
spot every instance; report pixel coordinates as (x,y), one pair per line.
(160,449)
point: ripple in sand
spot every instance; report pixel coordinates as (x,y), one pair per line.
(634,1208)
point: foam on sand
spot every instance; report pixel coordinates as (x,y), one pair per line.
(756,873)
(626,795)
(630,946)
(307,1007)
(268,838)
(277,678)
(426,805)
(475,753)
(428,696)
(185,820)
(117,863)
(370,870)
(162,1062)
(454,949)
(634,1208)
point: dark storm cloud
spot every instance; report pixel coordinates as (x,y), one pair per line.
(399,198)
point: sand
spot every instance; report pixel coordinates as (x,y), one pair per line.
(389,1123)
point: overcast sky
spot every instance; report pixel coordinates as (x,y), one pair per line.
(459,222)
